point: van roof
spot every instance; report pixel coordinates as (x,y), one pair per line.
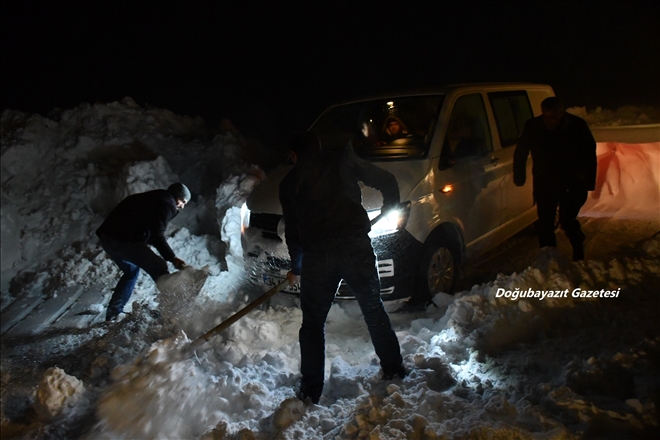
(489,87)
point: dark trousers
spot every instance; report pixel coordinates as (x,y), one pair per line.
(323,268)
(130,258)
(568,202)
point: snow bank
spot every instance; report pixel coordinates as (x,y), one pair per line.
(61,176)
(626,115)
(243,383)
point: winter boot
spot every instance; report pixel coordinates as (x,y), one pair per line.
(578,250)
(311,392)
(392,373)
(578,253)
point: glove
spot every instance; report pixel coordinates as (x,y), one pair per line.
(293,278)
(178,263)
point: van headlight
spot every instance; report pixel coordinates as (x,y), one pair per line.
(245,217)
(394,221)
(281,229)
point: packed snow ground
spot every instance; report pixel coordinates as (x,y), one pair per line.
(482,365)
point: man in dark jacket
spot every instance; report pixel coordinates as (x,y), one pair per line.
(326,231)
(136,222)
(564,170)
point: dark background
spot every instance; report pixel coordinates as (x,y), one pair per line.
(272,67)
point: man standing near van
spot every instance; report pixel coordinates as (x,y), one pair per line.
(563,168)
(326,231)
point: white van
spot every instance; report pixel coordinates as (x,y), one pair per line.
(453,160)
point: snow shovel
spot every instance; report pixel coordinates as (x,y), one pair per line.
(177,289)
(248,308)
(238,315)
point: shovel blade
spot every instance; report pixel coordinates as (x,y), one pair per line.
(178,289)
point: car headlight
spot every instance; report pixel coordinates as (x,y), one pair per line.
(395,220)
(281,230)
(245,217)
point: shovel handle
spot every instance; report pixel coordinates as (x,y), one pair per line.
(238,315)
(247,309)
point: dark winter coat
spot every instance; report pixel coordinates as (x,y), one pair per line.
(563,158)
(321,199)
(142,218)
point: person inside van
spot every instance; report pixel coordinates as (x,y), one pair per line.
(326,223)
(563,169)
(394,128)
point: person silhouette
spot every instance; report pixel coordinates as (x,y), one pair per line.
(563,169)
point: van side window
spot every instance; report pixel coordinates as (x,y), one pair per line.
(512,110)
(468,132)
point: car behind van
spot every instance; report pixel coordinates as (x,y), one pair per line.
(451,151)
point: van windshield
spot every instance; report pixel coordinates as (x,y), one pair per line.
(384,129)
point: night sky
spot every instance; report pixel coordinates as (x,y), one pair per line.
(271,67)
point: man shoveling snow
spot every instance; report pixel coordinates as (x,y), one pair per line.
(136,222)
(325,222)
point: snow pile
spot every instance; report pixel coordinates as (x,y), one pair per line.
(626,115)
(57,394)
(147,404)
(457,388)
(89,158)
(230,197)
(171,393)
(498,314)
(479,324)
(177,290)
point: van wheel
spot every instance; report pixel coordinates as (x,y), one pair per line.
(438,268)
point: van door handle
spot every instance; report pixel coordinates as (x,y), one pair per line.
(494,160)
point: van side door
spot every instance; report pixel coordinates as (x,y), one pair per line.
(476,200)
(511,110)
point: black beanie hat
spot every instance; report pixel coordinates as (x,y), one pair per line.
(179,191)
